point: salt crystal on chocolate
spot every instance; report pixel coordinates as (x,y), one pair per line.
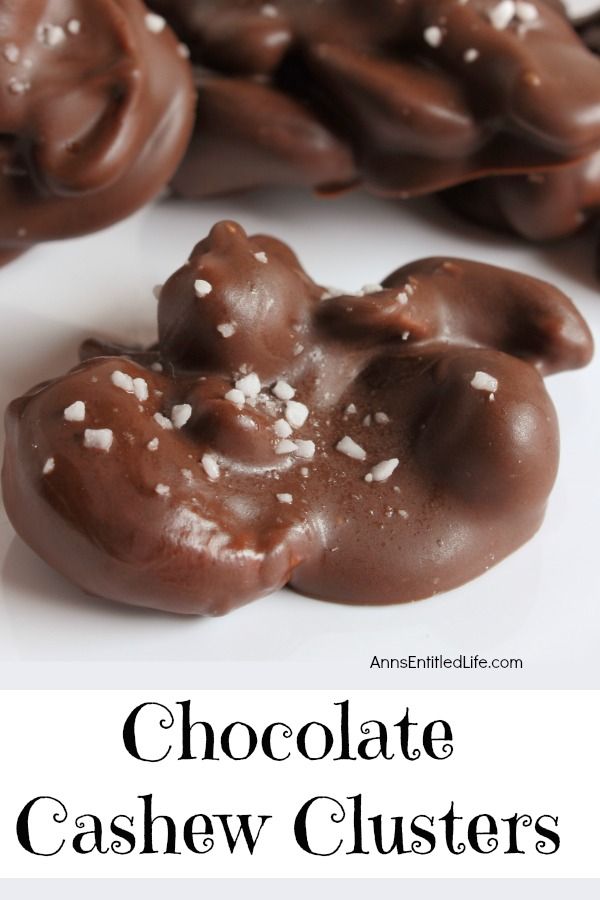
(350,448)
(140,389)
(249,385)
(155,23)
(502,14)
(296,413)
(211,466)
(306,449)
(98,439)
(161,420)
(484,382)
(383,470)
(433,36)
(75,412)
(202,288)
(181,415)
(284,391)
(122,381)
(526,12)
(282,428)
(285,447)
(236,397)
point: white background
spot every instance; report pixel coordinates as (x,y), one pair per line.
(514,752)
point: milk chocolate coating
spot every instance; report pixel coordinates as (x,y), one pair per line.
(96,109)
(213,516)
(403,97)
(542,205)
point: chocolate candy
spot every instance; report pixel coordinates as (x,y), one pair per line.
(539,206)
(96,109)
(403,97)
(376,447)
(542,205)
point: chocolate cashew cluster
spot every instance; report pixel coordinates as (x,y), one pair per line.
(542,205)
(96,109)
(404,98)
(375,447)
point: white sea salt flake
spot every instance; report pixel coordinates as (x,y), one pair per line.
(471,55)
(261,257)
(181,415)
(502,14)
(249,385)
(236,397)
(163,421)
(282,428)
(296,413)
(526,12)
(202,288)
(287,499)
(98,439)
(11,53)
(484,382)
(18,86)
(163,490)
(306,449)
(433,36)
(50,35)
(384,470)
(49,466)
(75,412)
(155,23)
(285,447)
(211,466)
(382,418)
(284,391)
(122,381)
(226,330)
(152,445)
(350,448)
(140,389)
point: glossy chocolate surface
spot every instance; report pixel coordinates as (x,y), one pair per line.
(403,97)
(96,108)
(542,205)
(378,447)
